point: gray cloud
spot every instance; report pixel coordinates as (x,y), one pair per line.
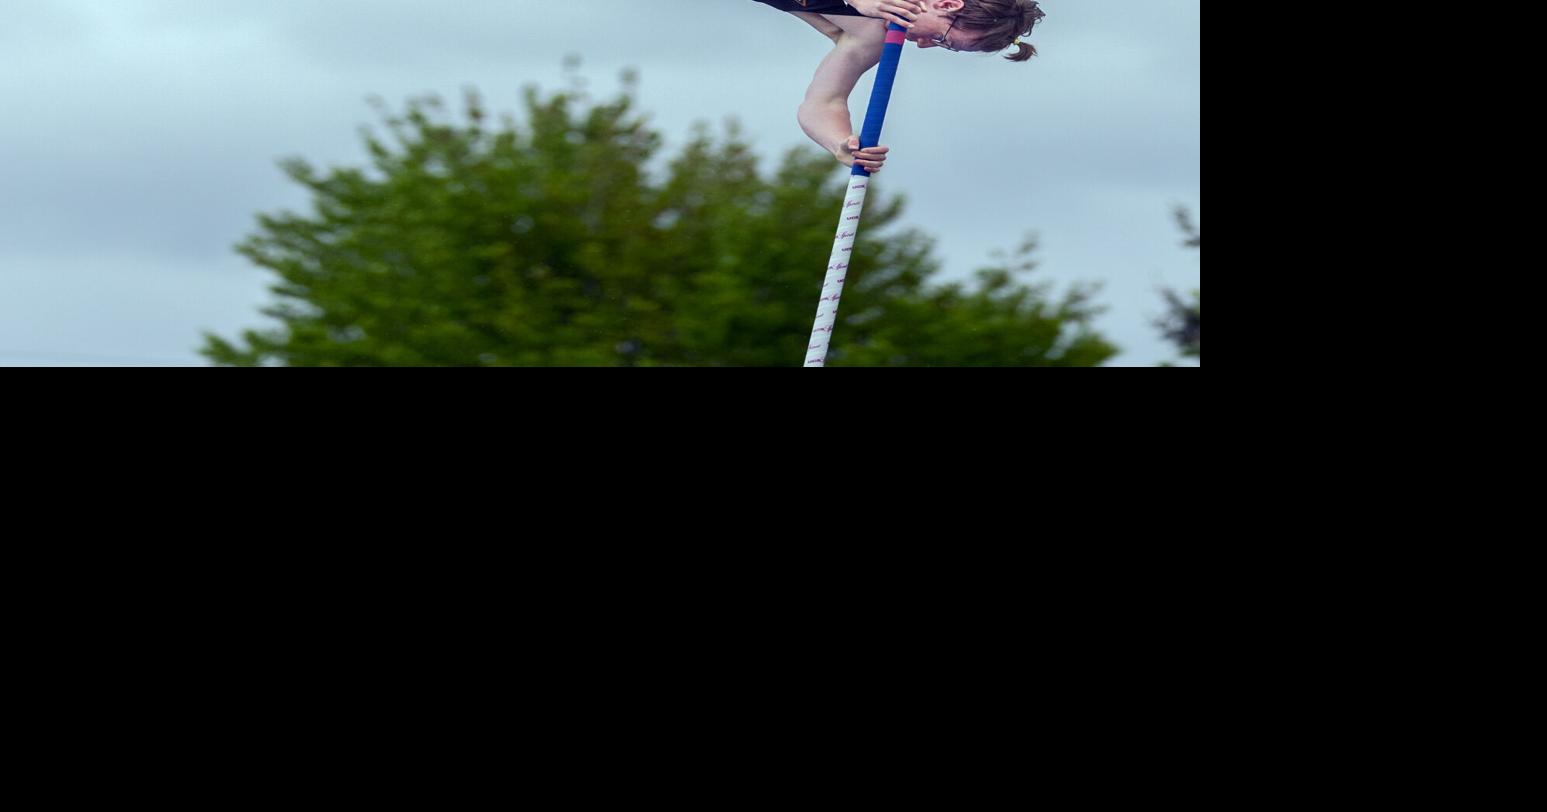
(142,135)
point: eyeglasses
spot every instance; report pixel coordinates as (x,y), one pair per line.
(940,40)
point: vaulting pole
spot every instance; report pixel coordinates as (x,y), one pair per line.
(854,202)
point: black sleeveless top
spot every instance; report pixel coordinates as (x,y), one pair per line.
(813,6)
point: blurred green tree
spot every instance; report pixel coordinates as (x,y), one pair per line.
(549,244)
(1183,322)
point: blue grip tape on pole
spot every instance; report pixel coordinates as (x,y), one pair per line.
(881,97)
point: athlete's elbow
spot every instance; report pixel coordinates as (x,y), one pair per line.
(818,107)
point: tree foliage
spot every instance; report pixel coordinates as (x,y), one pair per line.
(551,243)
(1183,322)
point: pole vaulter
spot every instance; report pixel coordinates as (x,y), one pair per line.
(866,33)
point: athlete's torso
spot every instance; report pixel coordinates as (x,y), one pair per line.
(813,6)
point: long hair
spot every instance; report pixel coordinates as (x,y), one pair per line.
(999,23)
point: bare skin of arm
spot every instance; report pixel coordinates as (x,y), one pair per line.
(824,115)
(821,23)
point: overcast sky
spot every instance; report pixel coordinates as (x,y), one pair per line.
(140,139)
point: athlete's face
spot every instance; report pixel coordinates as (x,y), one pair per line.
(936,27)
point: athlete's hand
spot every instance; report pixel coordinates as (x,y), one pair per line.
(871,159)
(902,12)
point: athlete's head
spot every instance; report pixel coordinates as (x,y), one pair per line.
(982,26)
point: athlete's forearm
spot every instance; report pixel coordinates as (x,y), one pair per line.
(827,123)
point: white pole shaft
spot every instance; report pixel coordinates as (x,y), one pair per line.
(837,271)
